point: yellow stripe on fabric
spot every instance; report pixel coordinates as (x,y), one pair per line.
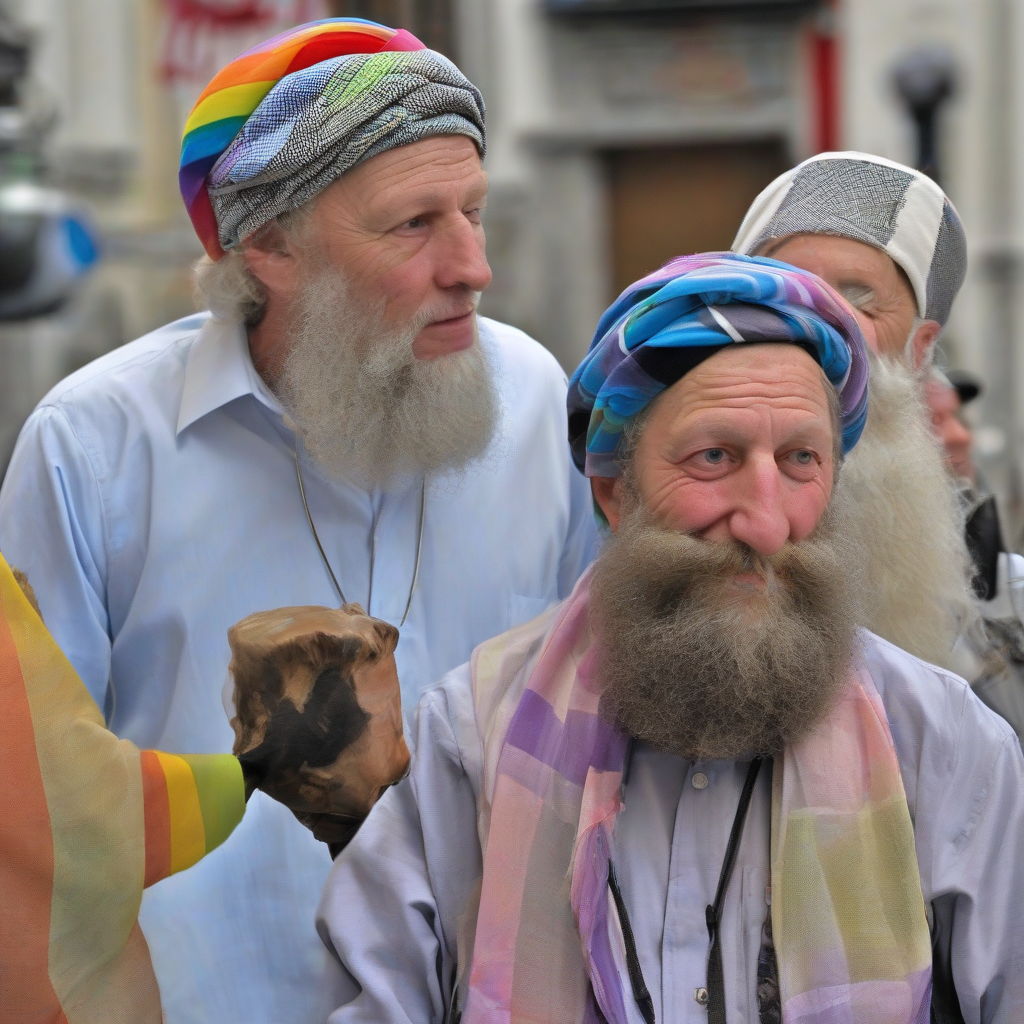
(848,888)
(221,790)
(188,835)
(881,917)
(802,918)
(235,101)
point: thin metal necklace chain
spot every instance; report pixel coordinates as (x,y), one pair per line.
(373,546)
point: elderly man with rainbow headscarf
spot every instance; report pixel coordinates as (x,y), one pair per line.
(697,791)
(888,238)
(342,427)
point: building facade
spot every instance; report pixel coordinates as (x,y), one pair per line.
(622,132)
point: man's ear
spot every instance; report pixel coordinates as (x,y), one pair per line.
(607,491)
(270,256)
(922,343)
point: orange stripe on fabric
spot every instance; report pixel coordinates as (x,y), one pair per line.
(26,856)
(273,63)
(158,818)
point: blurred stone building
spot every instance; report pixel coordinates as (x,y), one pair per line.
(622,132)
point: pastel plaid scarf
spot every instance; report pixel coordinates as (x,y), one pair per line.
(667,323)
(848,915)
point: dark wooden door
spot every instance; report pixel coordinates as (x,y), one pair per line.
(668,201)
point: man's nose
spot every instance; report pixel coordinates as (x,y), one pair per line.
(760,520)
(461,259)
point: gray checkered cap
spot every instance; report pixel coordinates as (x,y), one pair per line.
(856,195)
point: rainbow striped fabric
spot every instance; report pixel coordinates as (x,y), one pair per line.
(88,821)
(848,915)
(239,88)
(192,806)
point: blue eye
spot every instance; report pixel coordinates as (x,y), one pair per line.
(804,458)
(715,456)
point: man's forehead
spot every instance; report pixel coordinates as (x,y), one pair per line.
(431,168)
(942,397)
(744,373)
(833,251)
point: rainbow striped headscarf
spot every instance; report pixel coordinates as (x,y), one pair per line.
(283,120)
(662,326)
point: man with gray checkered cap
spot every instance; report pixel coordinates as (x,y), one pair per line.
(884,235)
(887,237)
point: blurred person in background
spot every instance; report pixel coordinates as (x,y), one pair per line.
(993,652)
(947,393)
(340,427)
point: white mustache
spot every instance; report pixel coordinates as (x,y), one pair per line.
(449,311)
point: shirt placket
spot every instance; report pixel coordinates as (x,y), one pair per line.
(697,850)
(394,554)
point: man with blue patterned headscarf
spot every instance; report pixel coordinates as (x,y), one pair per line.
(341,427)
(695,791)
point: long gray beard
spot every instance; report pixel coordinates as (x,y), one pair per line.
(366,408)
(694,663)
(907,522)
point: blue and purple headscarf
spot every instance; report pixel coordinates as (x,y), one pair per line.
(662,326)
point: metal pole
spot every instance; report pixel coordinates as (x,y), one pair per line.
(1000,267)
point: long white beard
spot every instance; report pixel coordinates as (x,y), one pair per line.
(366,408)
(907,522)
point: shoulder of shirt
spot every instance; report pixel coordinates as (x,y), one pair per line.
(518,351)
(444,724)
(149,354)
(932,701)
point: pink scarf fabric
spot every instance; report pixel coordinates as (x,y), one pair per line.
(848,915)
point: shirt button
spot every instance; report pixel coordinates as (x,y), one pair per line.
(700,781)
(701,995)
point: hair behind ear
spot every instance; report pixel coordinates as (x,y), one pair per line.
(229,289)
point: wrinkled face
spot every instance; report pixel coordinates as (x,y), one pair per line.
(741,448)
(944,404)
(870,281)
(405,228)
(725,604)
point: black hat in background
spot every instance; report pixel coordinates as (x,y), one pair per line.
(966,385)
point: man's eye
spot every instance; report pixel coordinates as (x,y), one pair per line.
(715,456)
(416,222)
(859,296)
(803,458)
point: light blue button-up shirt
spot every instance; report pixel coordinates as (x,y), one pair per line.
(394,906)
(152,501)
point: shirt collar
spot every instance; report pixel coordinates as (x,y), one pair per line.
(218,370)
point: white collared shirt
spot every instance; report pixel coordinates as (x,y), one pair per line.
(152,501)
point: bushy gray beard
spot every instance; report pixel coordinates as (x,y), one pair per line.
(907,522)
(695,663)
(366,408)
